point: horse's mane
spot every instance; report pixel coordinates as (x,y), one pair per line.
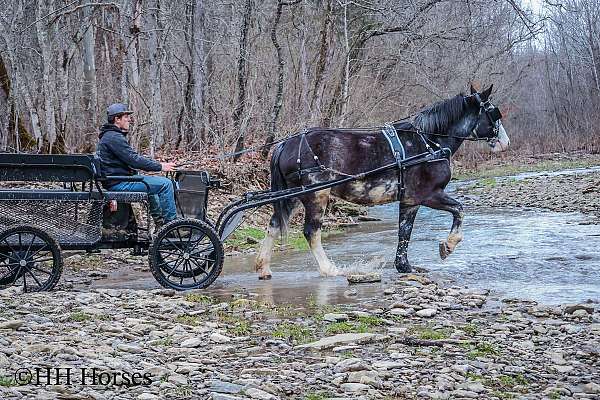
(439,116)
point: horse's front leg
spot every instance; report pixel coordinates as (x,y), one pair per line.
(441,201)
(406,221)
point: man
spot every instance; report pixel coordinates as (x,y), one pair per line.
(119,158)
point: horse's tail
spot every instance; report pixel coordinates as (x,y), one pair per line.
(283,208)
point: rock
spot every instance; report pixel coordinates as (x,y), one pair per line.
(343,338)
(570,309)
(590,388)
(370,378)
(147,396)
(225,387)
(427,312)
(354,387)
(193,342)
(580,313)
(476,387)
(334,317)
(563,369)
(218,338)
(259,394)
(368,277)
(350,364)
(130,348)
(220,396)
(12,324)
(465,393)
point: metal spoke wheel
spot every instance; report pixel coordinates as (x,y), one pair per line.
(29,257)
(186,254)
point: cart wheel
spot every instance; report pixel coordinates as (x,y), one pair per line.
(186,254)
(31,257)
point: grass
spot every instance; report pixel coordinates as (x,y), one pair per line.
(483,349)
(471,329)
(293,332)
(239,238)
(165,342)
(80,316)
(361,325)
(7,382)
(242,328)
(426,333)
(187,320)
(199,298)
(502,384)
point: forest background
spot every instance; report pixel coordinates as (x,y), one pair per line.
(209,77)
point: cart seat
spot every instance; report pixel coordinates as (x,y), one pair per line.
(126,197)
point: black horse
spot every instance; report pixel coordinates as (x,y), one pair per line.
(445,124)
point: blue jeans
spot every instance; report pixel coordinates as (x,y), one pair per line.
(161,198)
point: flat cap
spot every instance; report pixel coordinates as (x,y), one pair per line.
(117,109)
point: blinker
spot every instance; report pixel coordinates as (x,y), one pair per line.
(495,114)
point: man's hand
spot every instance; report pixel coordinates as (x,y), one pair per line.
(168,166)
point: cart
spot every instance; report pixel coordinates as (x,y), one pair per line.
(67,209)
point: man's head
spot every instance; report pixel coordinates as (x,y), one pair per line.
(119,115)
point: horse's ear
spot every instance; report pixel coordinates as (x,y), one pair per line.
(485,95)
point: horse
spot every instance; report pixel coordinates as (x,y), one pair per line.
(443,125)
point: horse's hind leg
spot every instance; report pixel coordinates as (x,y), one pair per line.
(315,205)
(262,265)
(406,221)
(441,201)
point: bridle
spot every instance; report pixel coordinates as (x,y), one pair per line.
(493,115)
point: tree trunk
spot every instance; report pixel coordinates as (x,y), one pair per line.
(317,95)
(90,88)
(279,93)
(198,82)
(155,53)
(47,93)
(242,80)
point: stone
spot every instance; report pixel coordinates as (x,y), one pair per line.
(427,312)
(193,342)
(350,364)
(221,396)
(259,394)
(147,396)
(368,277)
(370,378)
(342,338)
(225,387)
(354,387)
(570,309)
(218,338)
(130,348)
(590,388)
(12,324)
(335,317)
(580,313)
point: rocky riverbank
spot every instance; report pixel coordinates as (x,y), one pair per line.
(563,193)
(415,339)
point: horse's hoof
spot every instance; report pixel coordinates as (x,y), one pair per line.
(403,268)
(265,277)
(444,250)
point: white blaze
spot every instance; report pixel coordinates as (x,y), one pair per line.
(503,140)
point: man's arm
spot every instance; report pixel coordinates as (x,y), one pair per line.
(121,148)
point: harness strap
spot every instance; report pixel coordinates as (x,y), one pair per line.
(396,146)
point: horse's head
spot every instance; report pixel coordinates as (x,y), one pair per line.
(489,120)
